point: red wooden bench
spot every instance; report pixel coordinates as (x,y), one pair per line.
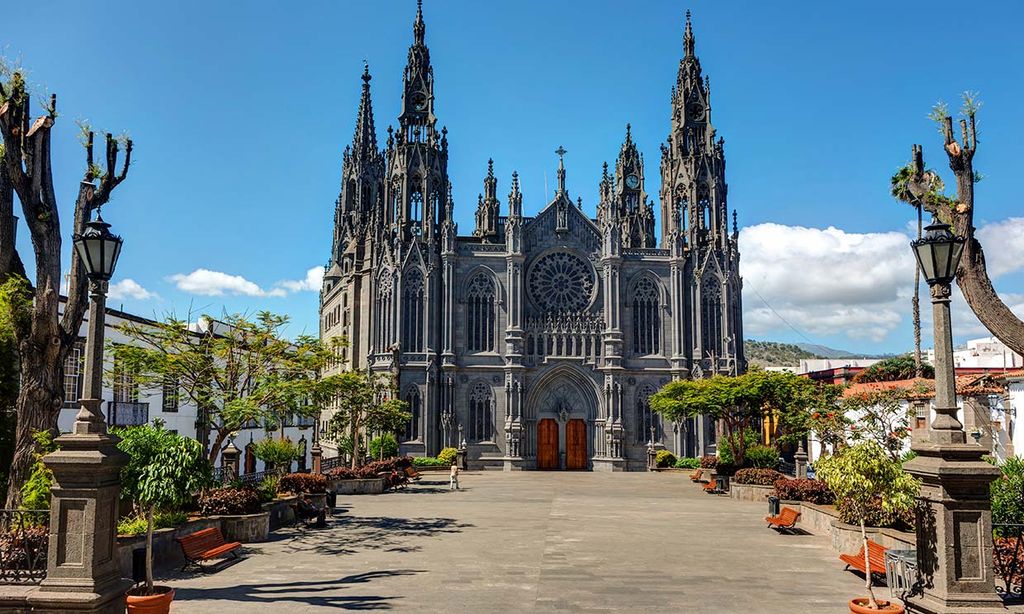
(711,487)
(412,474)
(206,545)
(784,521)
(876,557)
(696,475)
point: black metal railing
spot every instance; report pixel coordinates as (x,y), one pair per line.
(326,464)
(1008,558)
(24,538)
(128,413)
(254,479)
(787,468)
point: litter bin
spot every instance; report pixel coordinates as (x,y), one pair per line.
(332,500)
(139,565)
(773,505)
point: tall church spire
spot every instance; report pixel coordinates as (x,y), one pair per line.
(688,37)
(364,142)
(418,27)
(418,94)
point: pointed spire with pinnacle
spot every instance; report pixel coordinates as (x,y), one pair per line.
(561,151)
(419,28)
(364,142)
(688,37)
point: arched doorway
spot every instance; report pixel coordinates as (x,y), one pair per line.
(561,410)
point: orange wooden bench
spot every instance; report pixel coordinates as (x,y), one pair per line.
(696,475)
(412,474)
(876,557)
(206,545)
(711,487)
(785,521)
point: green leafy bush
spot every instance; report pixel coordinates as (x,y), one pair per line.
(35,492)
(384,446)
(811,491)
(136,525)
(277,453)
(303,482)
(687,463)
(447,456)
(229,501)
(428,461)
(267,488)
(1008,493)
(875,515)
(664,458)
(708,461)
(762,477)
(727,449)
(762,457)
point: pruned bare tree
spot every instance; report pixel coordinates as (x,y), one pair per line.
(923,188)
(45,341)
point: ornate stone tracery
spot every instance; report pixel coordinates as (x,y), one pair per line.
(561,282)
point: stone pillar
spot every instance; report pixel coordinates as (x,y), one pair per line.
(229,460)
(800,459)
(316,453)
(954,522)
(83,572)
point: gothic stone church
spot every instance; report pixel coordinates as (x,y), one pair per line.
(536,340)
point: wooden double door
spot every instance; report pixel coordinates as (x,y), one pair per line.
(575,444)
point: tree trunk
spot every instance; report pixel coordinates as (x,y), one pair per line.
(872,603)
(10,262)
(149,550)
(218,443)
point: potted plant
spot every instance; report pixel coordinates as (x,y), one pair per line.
(164,470)
(862,475)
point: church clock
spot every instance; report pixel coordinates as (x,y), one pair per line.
(632,181)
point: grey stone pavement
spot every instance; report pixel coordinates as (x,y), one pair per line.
(533,542)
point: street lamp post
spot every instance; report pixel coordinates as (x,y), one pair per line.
(83,572)
(954,518)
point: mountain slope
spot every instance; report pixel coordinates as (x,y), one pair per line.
(775,354)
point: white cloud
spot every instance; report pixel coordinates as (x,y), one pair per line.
(129,288)
(215,283)
(313,281)
(1003,243)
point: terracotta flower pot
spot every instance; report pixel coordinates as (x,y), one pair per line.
(859,605)
(157,603)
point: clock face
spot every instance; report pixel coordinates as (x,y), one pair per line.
(632,181)
(419,102)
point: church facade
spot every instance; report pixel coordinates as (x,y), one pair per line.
(536,341)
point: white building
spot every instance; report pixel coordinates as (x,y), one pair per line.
(126,403)
(986,353)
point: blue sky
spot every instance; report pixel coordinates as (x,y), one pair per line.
(240,112)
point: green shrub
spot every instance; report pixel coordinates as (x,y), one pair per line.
(303,482)
(762,477)
(384,446)
(664,458)
(762,457)
(427,461)
(727,448)
(35,492)
(277,453)
(267,488)
(229,501)
(447,456)
(136,525)
(1008,493)
(687,463)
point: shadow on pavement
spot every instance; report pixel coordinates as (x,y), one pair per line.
(301,592)
(353,534)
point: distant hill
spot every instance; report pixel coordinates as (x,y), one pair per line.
(823,351)
(775,354)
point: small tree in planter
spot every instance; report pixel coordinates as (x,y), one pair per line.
(164,471)
(863,474)
(277,453)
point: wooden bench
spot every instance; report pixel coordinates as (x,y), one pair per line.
(876,557)
(205,545)
(711,487)
(696,475)
(785,521)
(412,474)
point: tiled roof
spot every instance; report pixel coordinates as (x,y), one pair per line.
(967,385)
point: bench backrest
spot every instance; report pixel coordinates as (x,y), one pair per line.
(788,515)
(713,484)
(876,552)
(409,471)
(194,544)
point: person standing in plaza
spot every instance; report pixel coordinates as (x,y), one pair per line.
(454,476)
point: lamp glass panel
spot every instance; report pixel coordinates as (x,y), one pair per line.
(943,254)
(84,254)
(958,250)
(924,258)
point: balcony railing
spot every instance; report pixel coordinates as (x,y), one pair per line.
(24,538)
(127,413)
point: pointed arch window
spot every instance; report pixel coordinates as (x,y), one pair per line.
(384,317)
(646,419)
(412,430)
(481,419)
(711,317)
(412,311)
(646,318)
(482,318)
(416,211)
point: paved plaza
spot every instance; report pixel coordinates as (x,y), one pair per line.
(534,542)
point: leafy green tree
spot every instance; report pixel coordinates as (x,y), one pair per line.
(14,315)
(164,472)
(277,453)
(384,446)
(364,404)
(1008,493)
(882,416)
(35,492)
(894,369)
(743,402)
(861,475)
(237,369)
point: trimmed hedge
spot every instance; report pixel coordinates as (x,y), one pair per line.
(761,477)
(811,491)
(229,501)
(708,461)
(428,461)
(687,463)
(303,482)
(664,458)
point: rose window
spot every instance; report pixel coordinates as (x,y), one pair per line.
(561,282)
